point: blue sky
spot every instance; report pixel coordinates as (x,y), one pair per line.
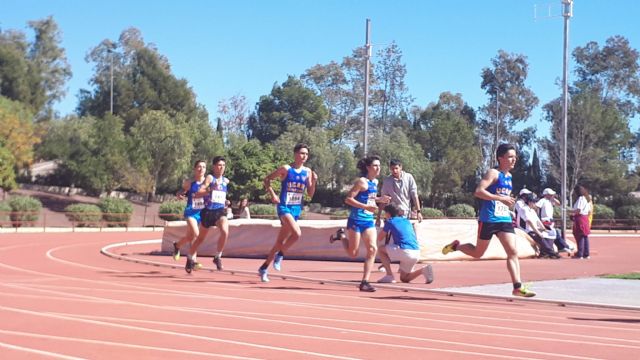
(225,48)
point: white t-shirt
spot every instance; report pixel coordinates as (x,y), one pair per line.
(583,205)
(546,209)
(519,209)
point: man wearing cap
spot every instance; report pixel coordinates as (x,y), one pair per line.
(536,229)
(518,208)
(546,204)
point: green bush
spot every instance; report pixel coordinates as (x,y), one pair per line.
(83,214)
(603,212)
(430,213)
(171,210)
(5,209)
(116,212)
(340,214)
(262,210)
(631,213)
(25,209)
(461,211)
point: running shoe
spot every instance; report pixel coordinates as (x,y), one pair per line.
(366,287)
(564,250)
(188,267)
(277,262)
(427,272)
(339,235)
(263,275)
(451,247)
(176,251)
(218,262)
(197,266)
(523,292)
(387,279)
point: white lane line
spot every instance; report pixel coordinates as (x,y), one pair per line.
(334,328)
(39,352)
(412,314)
(171,333)
(495,331)
(118,344)
(306,353)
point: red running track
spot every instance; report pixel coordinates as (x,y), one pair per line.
(61,298)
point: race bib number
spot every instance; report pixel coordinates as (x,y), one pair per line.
(218,197)
(502,210)
(370,202)
(197,203)
(293,198)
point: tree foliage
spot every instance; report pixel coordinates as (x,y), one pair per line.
(142,81)
(34,73)
(17,131)
(598,137)
(160,149)
(612,70)
(445,130)
(510,101)
(288,104)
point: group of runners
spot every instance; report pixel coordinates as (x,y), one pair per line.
(206,202)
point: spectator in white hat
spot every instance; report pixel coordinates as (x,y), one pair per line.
(546,204)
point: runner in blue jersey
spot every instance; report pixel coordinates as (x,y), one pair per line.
(195,203)
(295,180)
(495,219)
(214,213)
(362,199)
(404,248)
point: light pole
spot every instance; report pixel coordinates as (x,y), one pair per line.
(112,47)
(367,67)
(567,12)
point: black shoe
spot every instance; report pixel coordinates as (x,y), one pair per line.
(218,262)
(189,266)
(339,235)
(366,287)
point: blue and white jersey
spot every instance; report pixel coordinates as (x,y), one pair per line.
(402,233)
(194,204)
(365,197)
(493,211)
(217,197)
(293,186)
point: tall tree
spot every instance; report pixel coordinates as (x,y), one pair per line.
(612,70)
(390,95)
(598,143)
(446,132)
(50,62)
(7,170)
(17,131)
(510,101)
(142,81)
(291,103)
(535,173)
(397,145)
(161,147)
(234,113)
(333,162)
(34,73)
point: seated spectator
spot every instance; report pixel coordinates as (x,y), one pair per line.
(546,204)
(535,228)
(404,248)
(518,208)
(243,209)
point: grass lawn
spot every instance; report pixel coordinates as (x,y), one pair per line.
(629,276)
